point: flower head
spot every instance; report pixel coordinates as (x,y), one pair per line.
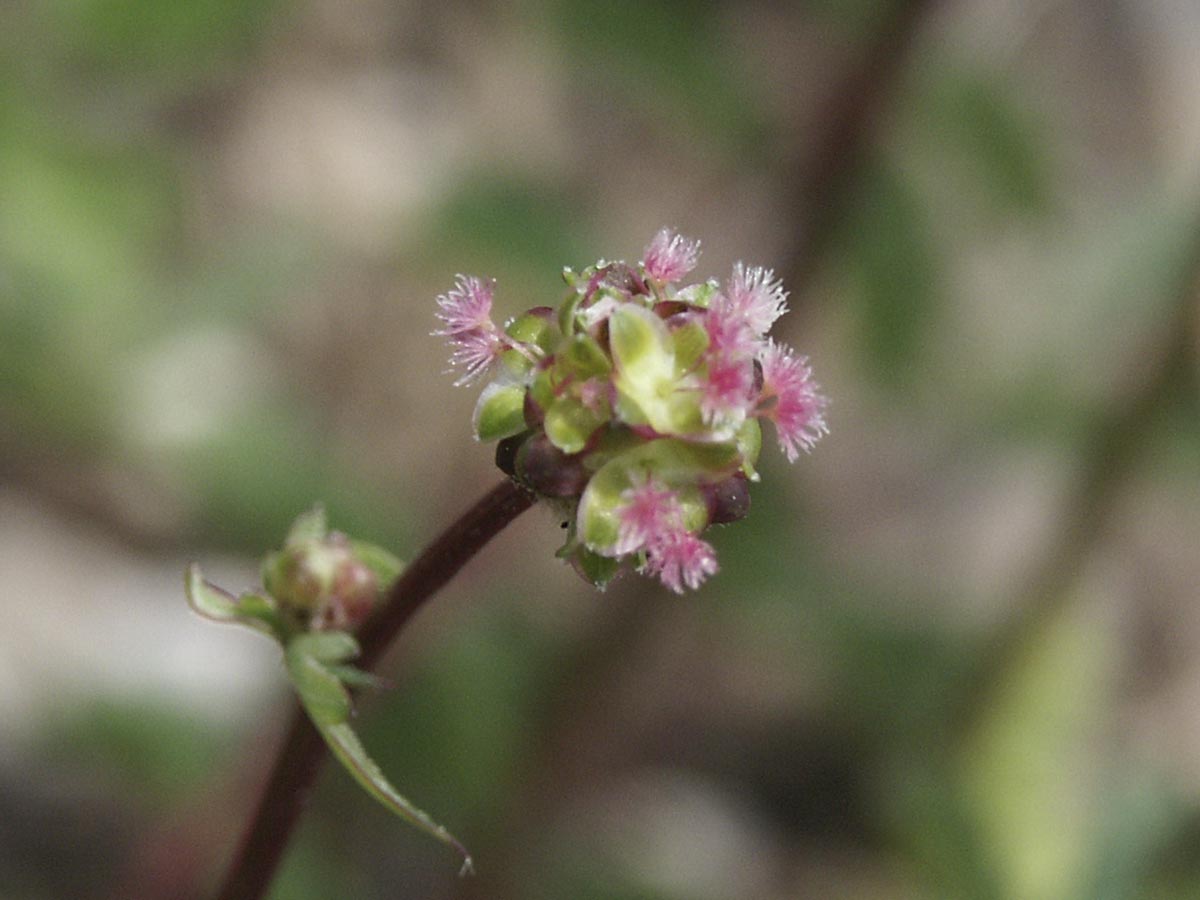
(791,400)
(751,295)
(727,390)
(474,352)
(467,307)
(670,256)
(680,558)
(648,509)
(636,406)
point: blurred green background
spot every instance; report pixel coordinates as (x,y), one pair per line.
(954,653)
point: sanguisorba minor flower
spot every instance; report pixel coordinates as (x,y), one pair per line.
(636,405)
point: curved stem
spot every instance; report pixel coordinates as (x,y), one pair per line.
(302,753)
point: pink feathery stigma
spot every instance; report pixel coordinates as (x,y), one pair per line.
(670,256)
(728,333)
(594,393)
(647,510)
(752,296)
(725,394)
(791,400)
(466,308)
(474,352)
(679,558)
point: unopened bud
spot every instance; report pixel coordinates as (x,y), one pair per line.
(322,582)
(728,500)
(351,599)
(548,471)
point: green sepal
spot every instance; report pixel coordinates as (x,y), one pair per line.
(516,364)
(253,610)
(649,391)
(385,566)
(583,358)
(569,424)
(542,388)
(690,341)
(500,411)
(698,294)
(533,329)
(749,443)
(612,442)
(308,527)
(645,364)
(207,599)
(596,569)
(641,347)
(568,324)
(357,678)
(311,525)
(314,662)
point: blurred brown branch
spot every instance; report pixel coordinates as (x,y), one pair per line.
(821,181)
(1111,454)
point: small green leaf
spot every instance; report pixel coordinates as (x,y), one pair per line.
(642,349)
(542,388)
(357,678)
(321,692)
(259,611)
(353,756)
(314,663)
(649,386)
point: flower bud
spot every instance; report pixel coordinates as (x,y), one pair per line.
(728,500)
(546,470)
(318,578)
(506,454)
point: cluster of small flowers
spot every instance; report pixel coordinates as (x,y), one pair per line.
(637,403)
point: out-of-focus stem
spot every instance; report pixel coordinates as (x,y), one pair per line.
(302,753)
(1112,453)
(822,181)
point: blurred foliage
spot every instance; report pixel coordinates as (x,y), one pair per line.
(510,227)
(147,753)
(978,119)
(666,61)
(893,263)
(152,41)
